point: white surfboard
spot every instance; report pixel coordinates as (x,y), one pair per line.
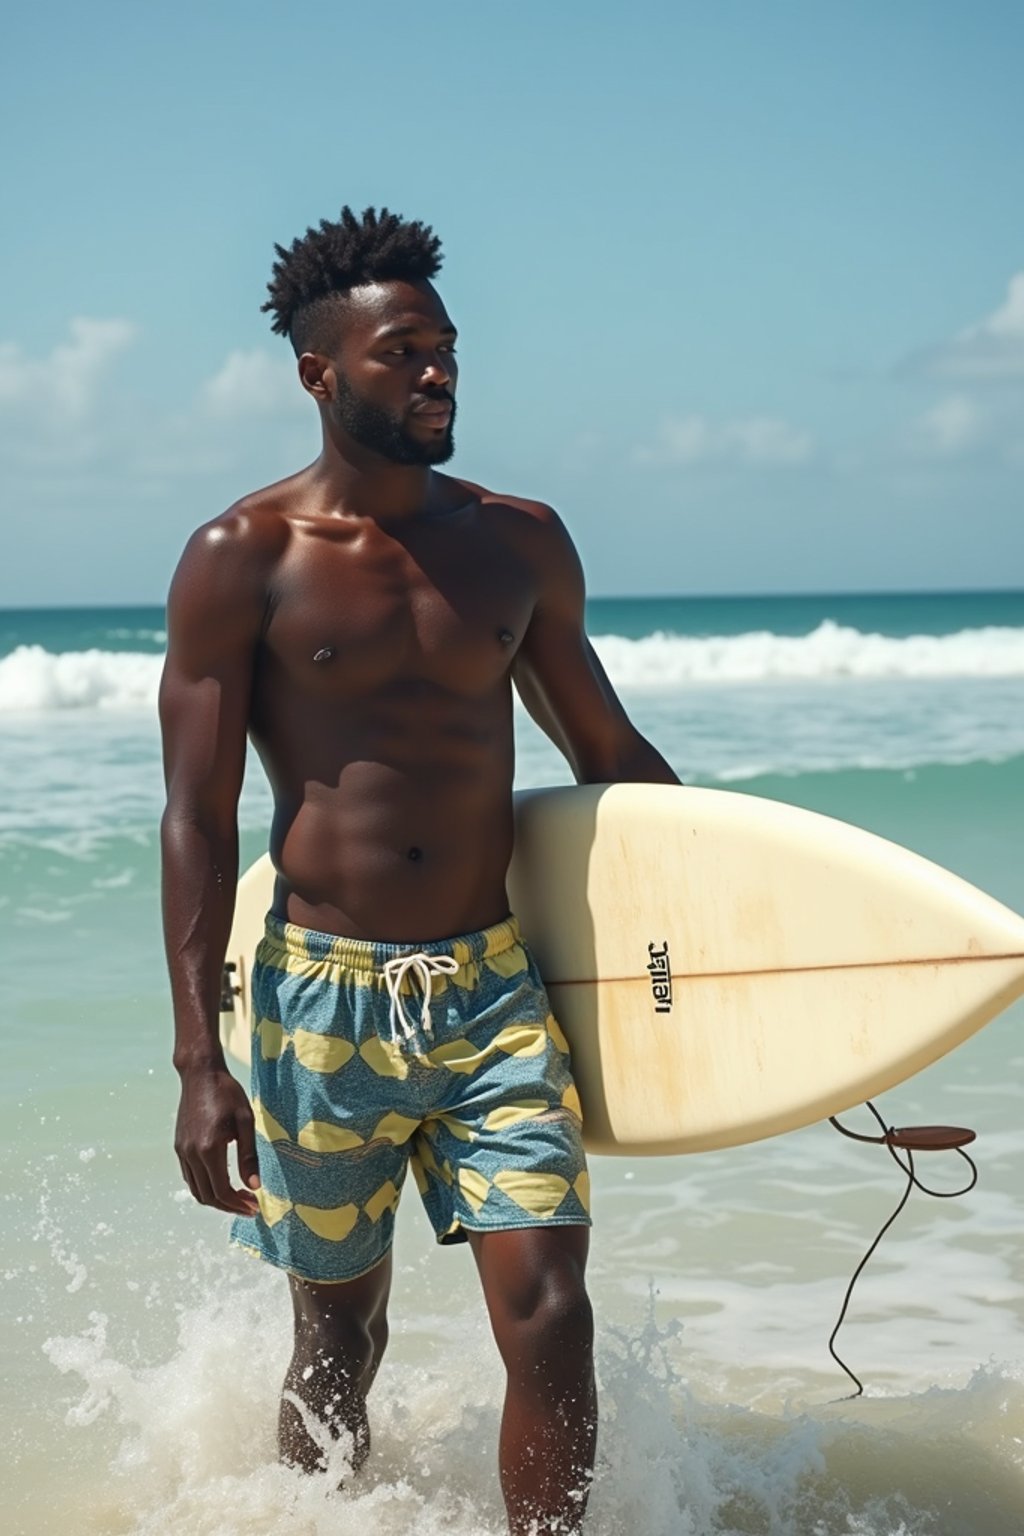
(727,967)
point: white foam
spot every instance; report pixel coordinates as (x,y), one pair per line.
(192,1447)
(34,679)
(831,651)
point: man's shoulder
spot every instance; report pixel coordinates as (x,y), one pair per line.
(253,531)
(535,530)
(524,510)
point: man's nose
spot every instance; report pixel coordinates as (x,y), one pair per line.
(437,372)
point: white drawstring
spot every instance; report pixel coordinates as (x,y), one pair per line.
(424,968)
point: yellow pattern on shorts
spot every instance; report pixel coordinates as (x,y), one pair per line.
(483,1106)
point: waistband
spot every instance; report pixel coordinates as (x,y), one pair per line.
(367,955)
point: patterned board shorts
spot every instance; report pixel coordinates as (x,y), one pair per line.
(366,1057)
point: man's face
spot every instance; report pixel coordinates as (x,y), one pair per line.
(395,373)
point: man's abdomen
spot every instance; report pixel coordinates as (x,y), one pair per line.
(397,852)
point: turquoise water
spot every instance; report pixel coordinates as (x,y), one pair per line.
(887,613)
(150,1355)
(924,613)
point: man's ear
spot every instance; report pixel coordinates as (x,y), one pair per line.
(316,375)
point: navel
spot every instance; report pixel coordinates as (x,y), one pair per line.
(414,855)
(506,636)
(325,653)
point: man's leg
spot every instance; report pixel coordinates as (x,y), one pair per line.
(340,1335)
(543,1325)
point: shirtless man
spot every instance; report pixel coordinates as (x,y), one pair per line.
(364,621)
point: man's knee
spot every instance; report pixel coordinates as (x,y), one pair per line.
(563,1315)
(336,1332)
(545,1317)
(344,1344)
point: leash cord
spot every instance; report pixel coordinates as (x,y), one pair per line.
(886,1139)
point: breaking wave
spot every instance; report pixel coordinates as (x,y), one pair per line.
(831,651)
(33,678)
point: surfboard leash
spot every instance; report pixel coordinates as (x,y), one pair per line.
(908,1139)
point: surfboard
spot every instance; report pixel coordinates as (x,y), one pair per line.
(726,967)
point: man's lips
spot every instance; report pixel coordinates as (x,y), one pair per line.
(435,415)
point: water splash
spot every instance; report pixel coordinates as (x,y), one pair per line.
(188,1442)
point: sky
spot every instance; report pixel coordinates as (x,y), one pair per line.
(740,287)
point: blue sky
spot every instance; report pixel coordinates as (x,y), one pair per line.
(740,286)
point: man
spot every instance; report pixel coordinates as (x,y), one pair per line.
(363,621)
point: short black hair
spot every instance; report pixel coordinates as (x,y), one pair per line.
(326,263)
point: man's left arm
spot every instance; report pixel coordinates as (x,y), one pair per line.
(563,684)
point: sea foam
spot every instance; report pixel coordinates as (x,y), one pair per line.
(831,651)
(32,678)
(35,679)
(185,1445)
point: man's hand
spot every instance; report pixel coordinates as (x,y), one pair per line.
(214,1111)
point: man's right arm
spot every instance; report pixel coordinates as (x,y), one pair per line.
(216,611)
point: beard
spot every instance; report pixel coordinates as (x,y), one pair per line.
(378,430)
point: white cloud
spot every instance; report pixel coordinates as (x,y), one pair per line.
(253,383)
(67,412)
(1009,320)
(991,350)
(68,379)
(696,439)
(950,427)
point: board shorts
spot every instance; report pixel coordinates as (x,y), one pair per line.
(368,1057)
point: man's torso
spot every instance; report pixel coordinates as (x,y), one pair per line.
(381,710)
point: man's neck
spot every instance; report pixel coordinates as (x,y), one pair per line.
(357,483)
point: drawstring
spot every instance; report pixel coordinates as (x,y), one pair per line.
(424,968)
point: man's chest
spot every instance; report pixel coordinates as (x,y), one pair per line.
(351,617)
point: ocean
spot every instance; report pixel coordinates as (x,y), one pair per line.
(143,1357)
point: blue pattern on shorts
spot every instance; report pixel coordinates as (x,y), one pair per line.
(483,1104)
